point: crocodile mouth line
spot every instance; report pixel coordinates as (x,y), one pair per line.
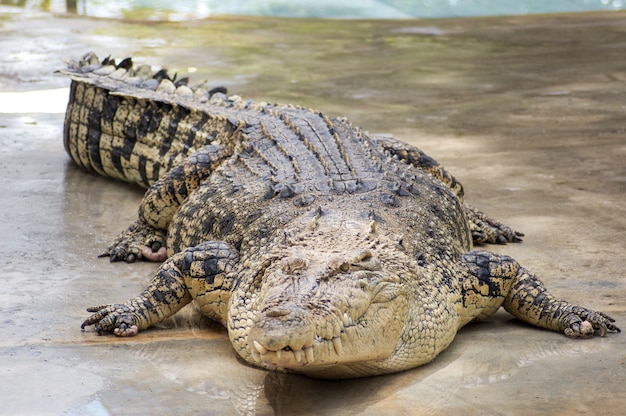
(289,356)
(301,357)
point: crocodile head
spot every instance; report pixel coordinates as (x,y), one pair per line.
(321,314)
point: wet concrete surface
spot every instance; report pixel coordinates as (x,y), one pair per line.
(527,112)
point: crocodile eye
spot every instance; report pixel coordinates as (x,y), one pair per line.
(344,267)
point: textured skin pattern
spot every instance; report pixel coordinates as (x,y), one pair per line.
(322,250)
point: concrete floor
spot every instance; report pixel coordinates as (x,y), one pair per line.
(528,112)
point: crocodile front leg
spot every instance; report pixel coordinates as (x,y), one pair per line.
(145,238)
(490,281)
(201,273)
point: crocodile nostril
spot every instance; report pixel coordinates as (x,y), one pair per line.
(294,264)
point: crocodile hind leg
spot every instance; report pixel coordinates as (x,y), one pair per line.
(483,228)
(199,273)
(413,156)
(145,238)
(493,280)
(488,230)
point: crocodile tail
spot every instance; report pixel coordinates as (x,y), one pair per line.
(133,124)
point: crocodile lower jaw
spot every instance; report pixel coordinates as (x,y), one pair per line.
(289,358)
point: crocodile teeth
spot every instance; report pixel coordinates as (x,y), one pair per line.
(260,353)
(337,345)
(346,320)
(260,348)
(308,353)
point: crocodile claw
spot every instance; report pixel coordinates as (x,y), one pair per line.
(116,318)
(488,230)
(587,323)
(139,241)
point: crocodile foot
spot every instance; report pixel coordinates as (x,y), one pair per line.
(117,318)
(139,241)
(488,230)
(584,323)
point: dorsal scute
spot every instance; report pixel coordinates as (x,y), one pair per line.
(142,81)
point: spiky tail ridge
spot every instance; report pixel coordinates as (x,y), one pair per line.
(133,124)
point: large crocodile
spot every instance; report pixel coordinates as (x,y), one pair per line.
(323,250)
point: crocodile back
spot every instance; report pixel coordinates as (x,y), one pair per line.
(281,162)
(136,126)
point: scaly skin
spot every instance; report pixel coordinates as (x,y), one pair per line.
(322,250)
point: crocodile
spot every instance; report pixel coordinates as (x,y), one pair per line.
(323,250)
